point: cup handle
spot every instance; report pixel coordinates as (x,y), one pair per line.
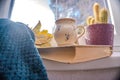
(81,34)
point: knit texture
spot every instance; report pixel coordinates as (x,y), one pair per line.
(19,58)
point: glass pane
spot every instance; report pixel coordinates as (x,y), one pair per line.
(77,9)
(31,11)
(47,11)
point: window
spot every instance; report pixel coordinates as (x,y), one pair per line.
(47,11)
(30,11)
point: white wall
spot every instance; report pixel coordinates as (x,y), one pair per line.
(101,74)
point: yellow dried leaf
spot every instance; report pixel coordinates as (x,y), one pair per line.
(37,28)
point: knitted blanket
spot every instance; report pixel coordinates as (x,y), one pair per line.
(19,58)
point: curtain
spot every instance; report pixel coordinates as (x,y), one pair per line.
(114,6)
(6,8)
(10,8)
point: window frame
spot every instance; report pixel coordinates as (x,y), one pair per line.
(114,8)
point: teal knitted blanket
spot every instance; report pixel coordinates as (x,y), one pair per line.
(19,58)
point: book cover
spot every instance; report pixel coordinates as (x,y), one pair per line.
(75,54)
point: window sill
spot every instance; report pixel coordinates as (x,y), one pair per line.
(110,62)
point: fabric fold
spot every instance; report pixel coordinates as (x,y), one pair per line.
(19,58)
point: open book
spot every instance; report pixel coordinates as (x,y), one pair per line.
(75,54)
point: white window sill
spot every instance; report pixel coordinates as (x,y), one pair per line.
(110,62)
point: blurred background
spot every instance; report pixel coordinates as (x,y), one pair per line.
(47,11)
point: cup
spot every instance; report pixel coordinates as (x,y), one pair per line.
(66,32)
(99,34)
